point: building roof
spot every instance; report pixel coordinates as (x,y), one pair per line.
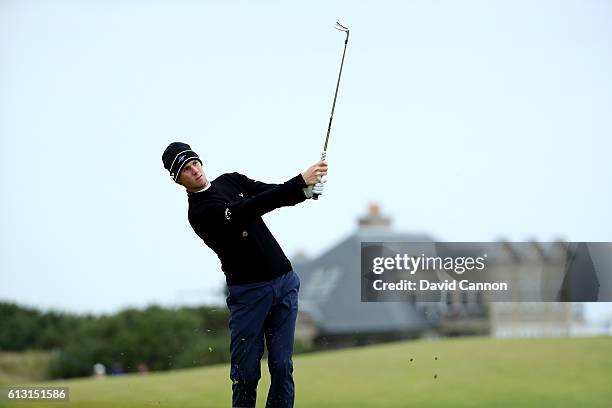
(330,290)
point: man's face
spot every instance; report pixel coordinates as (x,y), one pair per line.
(192,176)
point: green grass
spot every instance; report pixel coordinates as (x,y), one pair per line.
(472,372)
(27,366)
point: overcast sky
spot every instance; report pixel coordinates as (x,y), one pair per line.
(468,121)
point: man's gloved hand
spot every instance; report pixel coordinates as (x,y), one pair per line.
(316,189)
(308,191)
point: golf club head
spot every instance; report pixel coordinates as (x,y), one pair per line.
(341,27)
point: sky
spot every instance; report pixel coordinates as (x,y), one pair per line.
(467,121)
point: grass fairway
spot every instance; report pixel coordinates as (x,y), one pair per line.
(471,372)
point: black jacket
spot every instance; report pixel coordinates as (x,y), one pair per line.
(227,216)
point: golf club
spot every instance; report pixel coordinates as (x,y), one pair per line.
(342,28)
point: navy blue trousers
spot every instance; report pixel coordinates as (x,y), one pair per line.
(258,311)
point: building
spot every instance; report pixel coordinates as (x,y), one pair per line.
(332,314)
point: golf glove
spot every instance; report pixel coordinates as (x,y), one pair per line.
(308,191)
(316,189)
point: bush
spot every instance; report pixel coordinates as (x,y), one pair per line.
(160,338)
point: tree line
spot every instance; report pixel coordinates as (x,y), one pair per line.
(131,340)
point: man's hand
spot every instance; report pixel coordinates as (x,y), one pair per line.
(316,189)
(314,173)
(308,191)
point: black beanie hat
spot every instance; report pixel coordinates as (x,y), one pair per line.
(175,156)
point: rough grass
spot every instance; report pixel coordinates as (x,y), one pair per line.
(27,366)
(471,372)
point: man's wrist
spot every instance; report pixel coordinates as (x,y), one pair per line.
(301,180)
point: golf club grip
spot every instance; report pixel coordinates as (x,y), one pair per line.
(315,196)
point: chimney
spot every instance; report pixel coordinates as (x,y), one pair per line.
(374,218)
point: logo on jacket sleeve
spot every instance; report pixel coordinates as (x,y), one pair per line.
(228,214)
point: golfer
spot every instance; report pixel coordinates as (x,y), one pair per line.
(263,288)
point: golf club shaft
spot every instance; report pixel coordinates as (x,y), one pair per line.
(331,116)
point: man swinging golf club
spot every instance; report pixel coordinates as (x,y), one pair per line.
(263,288)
